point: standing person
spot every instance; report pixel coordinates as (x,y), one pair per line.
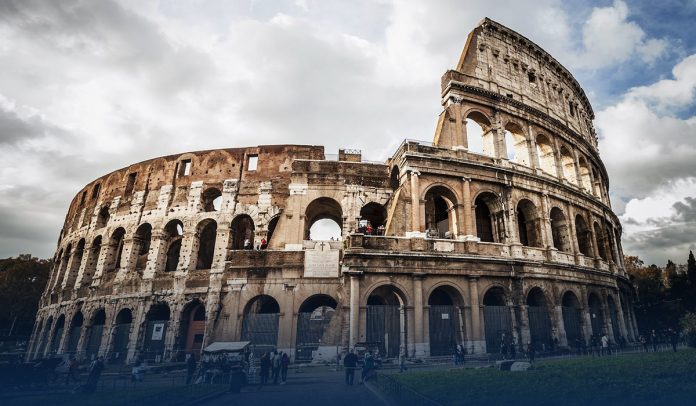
(531,351)
(605,344)
(368,366)
(265,367)
(95,370)
(350,362)
(284,364)
(653,339)
(513,346)
(503,346)
(643,342)
(402,362)
(137,372)
(275,364)
(72,371)
(190,368)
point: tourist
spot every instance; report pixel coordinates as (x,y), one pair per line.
(605,344)
(503,345)
(137,373)
(190,368)
(402,362)
(643,342)
(95,370)
(284,364)
(653,340)
(275,365)
(513,345)
(350,362)
(264,244)
(265,367)
(368,366)
(531,351)
(247,244)
(72,371)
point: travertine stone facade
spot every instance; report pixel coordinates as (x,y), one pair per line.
(499,231)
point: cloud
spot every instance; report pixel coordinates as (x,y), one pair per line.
(671,94)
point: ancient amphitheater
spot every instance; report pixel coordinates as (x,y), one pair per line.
(499,227)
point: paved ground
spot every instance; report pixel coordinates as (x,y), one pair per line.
(315,386)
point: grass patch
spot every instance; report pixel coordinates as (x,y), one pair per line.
(158,395)
(639,379)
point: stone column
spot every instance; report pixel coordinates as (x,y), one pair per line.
(478,344)
(86,254)
(128,256)
(189,252)
(531,145)
(467,205)
(420,345)
(586,318)
(99,271)
(572,235)
(560,326)
(137,327)
(620,316)
(354,307)
(157,256)
(546,231)
(415,202)
(287,319)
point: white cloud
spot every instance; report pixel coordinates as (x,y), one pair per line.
(671,93)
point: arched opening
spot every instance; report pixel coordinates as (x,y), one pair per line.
(64,265)
(121,335)
(614,317)
(600,241)
(174,233)
(260,323)
(57,267)
(610,242)
(242,230)
(207,233)
(192,330)
(386,320)
(497,319)
(113,256)
(156,324)
(539,320)
(445,323)
(585,179)
(394,181)
(74,334)
(597,185)
(372,219)
(544,150)
(582,233)
(316,326)
(568,166)
(211,199)
(271,229)
(559,230)
(489,219)
(57,334)
(141,245)
(75,264)
(92,259)
(596,314)
(96,331)
(44,338)
(103,217)
(440,212)
(323,220)
(528,224)
(516,145)
(572,320)
(479,134)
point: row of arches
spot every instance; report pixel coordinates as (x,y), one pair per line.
(90,340)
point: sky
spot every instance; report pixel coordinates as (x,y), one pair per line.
(87,87)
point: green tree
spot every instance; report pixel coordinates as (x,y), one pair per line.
(22,280)
(691,268)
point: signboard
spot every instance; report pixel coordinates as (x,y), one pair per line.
(157,331)
(445,316)
(321,262)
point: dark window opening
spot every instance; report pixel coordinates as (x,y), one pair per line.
(95,191)
(130,183)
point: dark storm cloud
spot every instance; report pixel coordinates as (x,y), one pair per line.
(13,128)
(686,211)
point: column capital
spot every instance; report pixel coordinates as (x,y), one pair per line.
(418,275)
(353,274)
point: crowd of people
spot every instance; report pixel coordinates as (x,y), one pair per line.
(370,362)
(274,365)
(365,227)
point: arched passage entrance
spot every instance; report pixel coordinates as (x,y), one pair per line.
(374,215)
(260,323)
(44,338)
(572,321)
(192,330)
(174,233)
(323,220)
(74,335)
(440,214)
(445,324)
(156,323)
(96,331)
(497,319)
(596,314)
(121,335)
(489,218)
(386,320)
(315,327)
(242,230)
(614,317)
(539,321)
(57,334)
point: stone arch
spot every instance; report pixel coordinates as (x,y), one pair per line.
(583,234)
(74,332)
(440,210)
(594,304)
(272,224)
(600,241)
(92,259)
(559,230)
(490,222)
(121,336)
(112,260)
(57,334)
(528,224)
(96,331)
(539,318)
(173,234)
(141,245)
(516,144)
(103,217)
(394,178)
(260,323)
(497,318)
(74,268)
(155,332)
(374,215)
(568,165)
(207,234)
(211,199)
(545,154)
(242,232)
(444,319)
(571,309)
(191,330)
(479,133)
(386,319)
(320,209)
(317,325)
(613,310)
(585,180)
(45,338)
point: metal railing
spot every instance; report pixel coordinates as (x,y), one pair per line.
(399,393)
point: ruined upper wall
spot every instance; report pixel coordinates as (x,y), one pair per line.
(498,59)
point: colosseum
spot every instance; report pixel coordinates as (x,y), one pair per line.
(499,229)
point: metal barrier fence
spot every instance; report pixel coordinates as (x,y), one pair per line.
(401,394)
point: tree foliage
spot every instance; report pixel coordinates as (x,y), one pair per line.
(22,280)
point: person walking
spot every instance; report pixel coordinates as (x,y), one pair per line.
(284,364)
(275,365)
(350,362)
(368,366)
(265,367)
(190,368)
